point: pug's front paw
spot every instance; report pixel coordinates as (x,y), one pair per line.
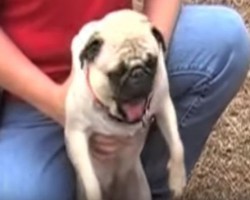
(177,178)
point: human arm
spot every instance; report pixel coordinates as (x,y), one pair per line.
(163,14)
(22,78)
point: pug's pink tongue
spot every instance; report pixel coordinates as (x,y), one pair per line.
(134,111)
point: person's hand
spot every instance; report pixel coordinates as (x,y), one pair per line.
(108,147)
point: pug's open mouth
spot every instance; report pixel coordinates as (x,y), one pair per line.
(133,111)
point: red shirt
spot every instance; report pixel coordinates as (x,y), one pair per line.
(43,29)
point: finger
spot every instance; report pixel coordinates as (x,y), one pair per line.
(103,157)
(115,139)
(108,149)
(102,154)
(105,140)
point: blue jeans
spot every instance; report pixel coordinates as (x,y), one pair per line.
(207,63)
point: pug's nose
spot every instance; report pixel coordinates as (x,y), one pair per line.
(138,74)
(138,84)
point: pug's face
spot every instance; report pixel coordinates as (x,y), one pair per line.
(122,57)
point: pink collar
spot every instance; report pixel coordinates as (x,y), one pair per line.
(91,89)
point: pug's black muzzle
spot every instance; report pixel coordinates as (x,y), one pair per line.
(137,84)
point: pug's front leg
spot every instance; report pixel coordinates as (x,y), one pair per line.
(77,143)
(167,122)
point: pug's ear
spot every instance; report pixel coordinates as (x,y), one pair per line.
(92,49)
(159,37)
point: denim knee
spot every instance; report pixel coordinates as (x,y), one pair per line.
(235,42)
(234,56)
(209,41)
(208,62)
(223,62)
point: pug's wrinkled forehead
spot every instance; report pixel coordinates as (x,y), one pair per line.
(124,35)
(127,30)
(124,25)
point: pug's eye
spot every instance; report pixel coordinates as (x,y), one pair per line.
(118,73)
(151,61)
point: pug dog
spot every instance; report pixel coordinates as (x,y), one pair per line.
(119,87)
